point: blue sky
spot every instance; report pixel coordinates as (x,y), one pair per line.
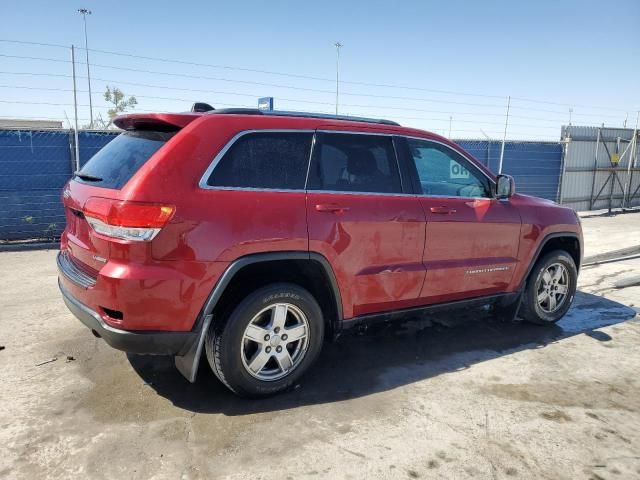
(578,54)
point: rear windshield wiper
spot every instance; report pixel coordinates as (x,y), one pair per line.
(87,177)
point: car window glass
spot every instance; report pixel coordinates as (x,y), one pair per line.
(355,163)
(275,160)
(443,171)
(121,158)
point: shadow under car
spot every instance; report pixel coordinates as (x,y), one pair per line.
(387,356)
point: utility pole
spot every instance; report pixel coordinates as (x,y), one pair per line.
(504,137)
(84,12)
(450,119)
(75,107)
(338,45)
(570,115)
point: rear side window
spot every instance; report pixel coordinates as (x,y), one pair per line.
(354,163)
(276,160)
(121,158)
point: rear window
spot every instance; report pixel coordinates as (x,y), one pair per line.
(121,158)
(275,160)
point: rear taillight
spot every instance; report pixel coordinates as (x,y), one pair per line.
(127,220)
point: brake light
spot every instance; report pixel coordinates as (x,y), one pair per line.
(127,220)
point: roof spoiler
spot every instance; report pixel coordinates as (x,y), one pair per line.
(155,121)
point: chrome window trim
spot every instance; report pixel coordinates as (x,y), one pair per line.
(454,197)
(203,180)
(207,173)
(341,192)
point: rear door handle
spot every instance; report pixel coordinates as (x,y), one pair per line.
(442,210)
(331,208)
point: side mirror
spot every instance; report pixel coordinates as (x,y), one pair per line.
(506,186)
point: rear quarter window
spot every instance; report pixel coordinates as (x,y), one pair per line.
(120,159)
(273,160)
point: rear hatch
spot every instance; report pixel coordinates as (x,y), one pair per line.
(97,214)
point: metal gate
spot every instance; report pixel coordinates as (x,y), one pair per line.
(600,168)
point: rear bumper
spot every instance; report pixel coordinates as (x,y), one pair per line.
(154,296)
(141,342)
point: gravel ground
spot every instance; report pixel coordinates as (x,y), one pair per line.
(463,397)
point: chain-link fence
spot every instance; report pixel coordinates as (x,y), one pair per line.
(35,165)
(535,166)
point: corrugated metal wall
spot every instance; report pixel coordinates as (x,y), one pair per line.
(588,184)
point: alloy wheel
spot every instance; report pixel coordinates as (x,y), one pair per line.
(553,288)
(275,341)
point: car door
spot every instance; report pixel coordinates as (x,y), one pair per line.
(472,238)
(364,223)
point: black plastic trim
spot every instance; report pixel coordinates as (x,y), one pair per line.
(541,245)
(501,299)
(140,342)
(188,362)
(407,166)
(242,262)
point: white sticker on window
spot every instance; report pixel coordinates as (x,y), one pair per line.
(457,171)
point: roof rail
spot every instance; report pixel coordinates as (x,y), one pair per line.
(284,113)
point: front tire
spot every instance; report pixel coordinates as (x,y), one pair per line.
(550,289)
(270,339)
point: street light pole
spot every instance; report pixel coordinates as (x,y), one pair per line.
(338,45)
(84,13)
(75,109)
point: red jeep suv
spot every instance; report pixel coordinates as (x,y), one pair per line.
(251,237)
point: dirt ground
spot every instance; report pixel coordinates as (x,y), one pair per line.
(461,398)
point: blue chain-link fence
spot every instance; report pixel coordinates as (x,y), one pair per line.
(535,166)
(35,165)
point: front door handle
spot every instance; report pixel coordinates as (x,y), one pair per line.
(331,208)
(442,210)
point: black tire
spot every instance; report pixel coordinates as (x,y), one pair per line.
(531,310)
(224,343)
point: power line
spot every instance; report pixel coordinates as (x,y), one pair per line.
(221,92)
(570,105)
(24,42)
(267,72)
(292,87)
(476,122)
(301,76)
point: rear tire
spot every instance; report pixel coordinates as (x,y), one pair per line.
(550,288)
(269,340)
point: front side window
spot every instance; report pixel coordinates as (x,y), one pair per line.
(354,163)
(444,172)
(275,160)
